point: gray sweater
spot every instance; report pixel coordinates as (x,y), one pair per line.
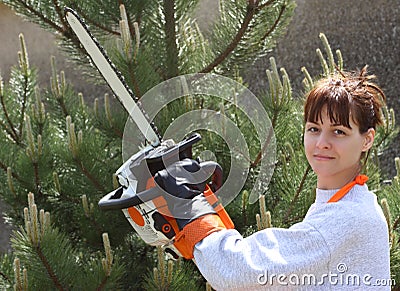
(342,245)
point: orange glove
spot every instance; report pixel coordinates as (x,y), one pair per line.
(196,231)
(193,205)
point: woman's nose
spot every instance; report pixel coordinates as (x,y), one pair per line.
(323,141)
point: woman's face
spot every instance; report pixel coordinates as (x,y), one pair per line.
(334,150)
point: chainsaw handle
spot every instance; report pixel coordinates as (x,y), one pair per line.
(216,178)
(115,199)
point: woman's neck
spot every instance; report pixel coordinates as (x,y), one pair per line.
(335,181)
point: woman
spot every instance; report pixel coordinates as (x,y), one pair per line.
(342,243)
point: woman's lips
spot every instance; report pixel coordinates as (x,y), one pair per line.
(323,157)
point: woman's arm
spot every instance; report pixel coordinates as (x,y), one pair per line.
(269,257)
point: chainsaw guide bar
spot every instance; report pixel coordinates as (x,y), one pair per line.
(113,77)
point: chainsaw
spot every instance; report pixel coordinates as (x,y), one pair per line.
(139,198)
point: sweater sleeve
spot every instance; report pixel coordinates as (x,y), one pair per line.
(228,261)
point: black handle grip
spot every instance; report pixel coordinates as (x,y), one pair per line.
(216,178)
(114,200)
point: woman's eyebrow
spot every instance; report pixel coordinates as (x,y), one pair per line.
(339,124)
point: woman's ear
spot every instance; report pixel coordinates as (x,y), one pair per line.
(369,138)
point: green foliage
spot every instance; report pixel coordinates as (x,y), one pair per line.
(157,40)
(65,151)
(6,271)
(48,259)
(170,275)
(390,201)
(48,137)
(260,22)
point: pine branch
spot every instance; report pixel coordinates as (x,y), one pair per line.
(89,175)
(130,25)
(117,132)
(63,106)
(102,283)
(260,7)
(14,175)
(170,35)
(264,148)
(96,24)
(48,268)
(8,279)
(296,196)
(40,16)
(278,19)
(74,142)
(24,100)
(37,178)
(11,131)
(267,142)
(60,13)
(294,219)
(87,212)
(4,126)
(132,76)
(96,226)
(114,129)
(251,11)
(396,222)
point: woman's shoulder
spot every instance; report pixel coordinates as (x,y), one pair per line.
(356,218)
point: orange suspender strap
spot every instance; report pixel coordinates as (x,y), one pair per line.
(360,180)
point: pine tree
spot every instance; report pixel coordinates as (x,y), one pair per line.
(65,151)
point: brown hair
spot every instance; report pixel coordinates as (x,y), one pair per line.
(346,94)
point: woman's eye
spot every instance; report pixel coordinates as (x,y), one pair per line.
(339,132)
(312,129)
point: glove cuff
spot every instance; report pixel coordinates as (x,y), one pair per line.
(195,231)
